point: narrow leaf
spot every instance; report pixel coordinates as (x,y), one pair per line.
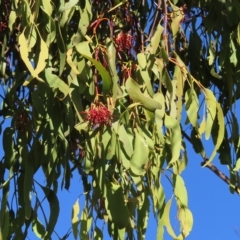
(75,212)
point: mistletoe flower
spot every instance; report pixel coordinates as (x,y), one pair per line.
(98,115)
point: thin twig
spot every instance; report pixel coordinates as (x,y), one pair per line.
(165,25)
(155,20)
(213,168)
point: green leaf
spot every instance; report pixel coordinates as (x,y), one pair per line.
(12,19)
(118,215)
(85,224)
(166,217)
(38,228)
(186,219)
(221,131)
(143,216)
(145,76)
(155,40)
(111,146)
(142,60)
(98,235)
(61,48)
(41,63)
(68,5)
(54,210)
(70,61)
(139,158)
(8,146)
(100,167)
(177,17)
(47,6)
(180,191)
(211,104)
(111,58)
(56,83)
(126,138)
(175,138)
(192,107)
(107,82)
(237,166)
(135,93)
(5,226)
(75,221)
(28,181)
(197,143)
(159,114)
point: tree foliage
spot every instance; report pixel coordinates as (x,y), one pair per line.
(108,89)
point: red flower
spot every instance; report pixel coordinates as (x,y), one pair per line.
(124,41)
(98,115)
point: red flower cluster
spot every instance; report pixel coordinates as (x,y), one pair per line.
(124,41)
(98,115)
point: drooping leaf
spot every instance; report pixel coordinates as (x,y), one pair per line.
(107,82)
(175,138)
(221,131)
(75,220)
(192,107)
(119,215)
(180,191)
(140,155)
(38,228)
(54,210)
(186,219)
(135,93)
(211,105)
(56,83)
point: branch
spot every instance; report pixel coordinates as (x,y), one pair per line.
(213,168)
(155,20)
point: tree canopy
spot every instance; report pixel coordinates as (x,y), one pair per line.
(114,90)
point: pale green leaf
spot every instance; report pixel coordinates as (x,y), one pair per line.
(175,138)
(139,158)
(68,5)
(75,221)
(155,40)
(211,105)
(166,217)
(180,191)
(135,93)
(221,131)
(192,107)
(186,220)
(237,166)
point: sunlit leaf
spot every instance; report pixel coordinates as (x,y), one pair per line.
(221,131)
(211,105)
(38,228)
(75,220)
(135,93)
(175,138)
(140,155)
(186,219)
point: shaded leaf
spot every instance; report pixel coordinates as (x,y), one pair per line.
(119,215)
